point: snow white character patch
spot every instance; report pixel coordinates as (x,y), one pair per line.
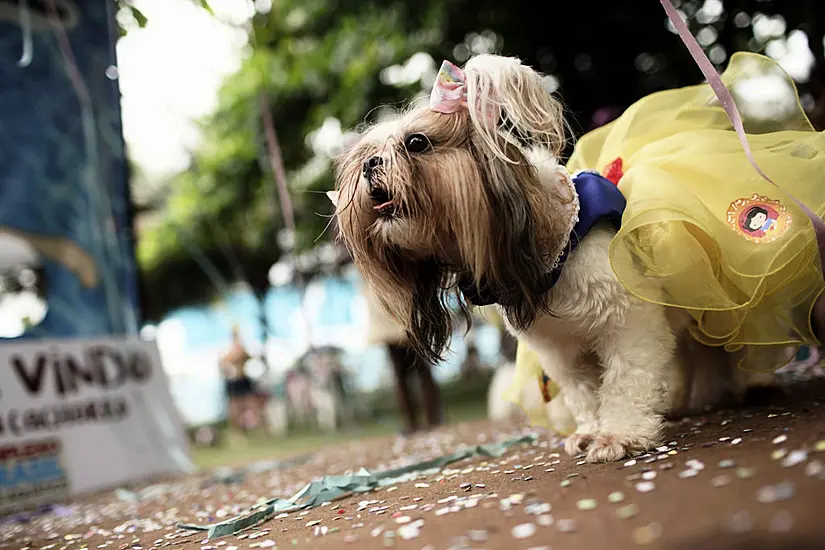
(758,219)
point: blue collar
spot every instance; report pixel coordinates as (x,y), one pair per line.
(599,200)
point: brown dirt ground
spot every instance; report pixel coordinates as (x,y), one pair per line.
(722,506)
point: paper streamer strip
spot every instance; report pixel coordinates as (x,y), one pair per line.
(330,488)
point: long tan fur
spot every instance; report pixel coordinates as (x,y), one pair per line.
(496,226)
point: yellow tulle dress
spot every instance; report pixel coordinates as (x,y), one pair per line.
(733,250)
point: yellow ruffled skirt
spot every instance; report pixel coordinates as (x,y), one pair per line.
(717,240)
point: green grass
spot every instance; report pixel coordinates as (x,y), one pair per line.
(237,450)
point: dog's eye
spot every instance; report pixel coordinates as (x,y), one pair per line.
(417,143)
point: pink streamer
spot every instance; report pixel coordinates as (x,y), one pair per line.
(715,81)
(729,105)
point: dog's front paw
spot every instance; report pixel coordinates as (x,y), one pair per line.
(610,448)
(578,443)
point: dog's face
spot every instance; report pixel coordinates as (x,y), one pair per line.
(430,198)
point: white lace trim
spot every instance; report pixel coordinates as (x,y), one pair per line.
(573,210)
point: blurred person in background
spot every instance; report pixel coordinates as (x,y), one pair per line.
(326,387)
(240,391)
(298,392)
(407,365)
(471,367)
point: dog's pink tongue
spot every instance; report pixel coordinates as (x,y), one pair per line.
(383,206)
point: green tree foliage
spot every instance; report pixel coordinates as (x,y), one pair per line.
(313,60)
(316,60)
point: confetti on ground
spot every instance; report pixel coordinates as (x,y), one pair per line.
(477,500)
(814,468)
(779,454)
(694,464)
(741,522)
(782,522)
(776,493)
(720,481)
(615,497)
(566,525)
(524,530)
(410,531)
(647,534)
(478,535)
(795,458)
(330,488)
(586,504)
(627,512)
(745,473)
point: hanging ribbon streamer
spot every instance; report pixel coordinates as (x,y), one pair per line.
(729,105)
(722,93)
(26,24)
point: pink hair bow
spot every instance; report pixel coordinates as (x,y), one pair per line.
(449,89)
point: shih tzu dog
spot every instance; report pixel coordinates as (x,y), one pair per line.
(464,196)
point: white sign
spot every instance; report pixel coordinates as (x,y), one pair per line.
(83,415)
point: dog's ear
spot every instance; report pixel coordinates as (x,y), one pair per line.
(431,322)
(415,293)
(512,112)
(510,103)
(521,234)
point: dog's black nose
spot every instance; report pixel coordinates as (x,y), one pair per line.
(371,164)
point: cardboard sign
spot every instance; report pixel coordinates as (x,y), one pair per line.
(83,415)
